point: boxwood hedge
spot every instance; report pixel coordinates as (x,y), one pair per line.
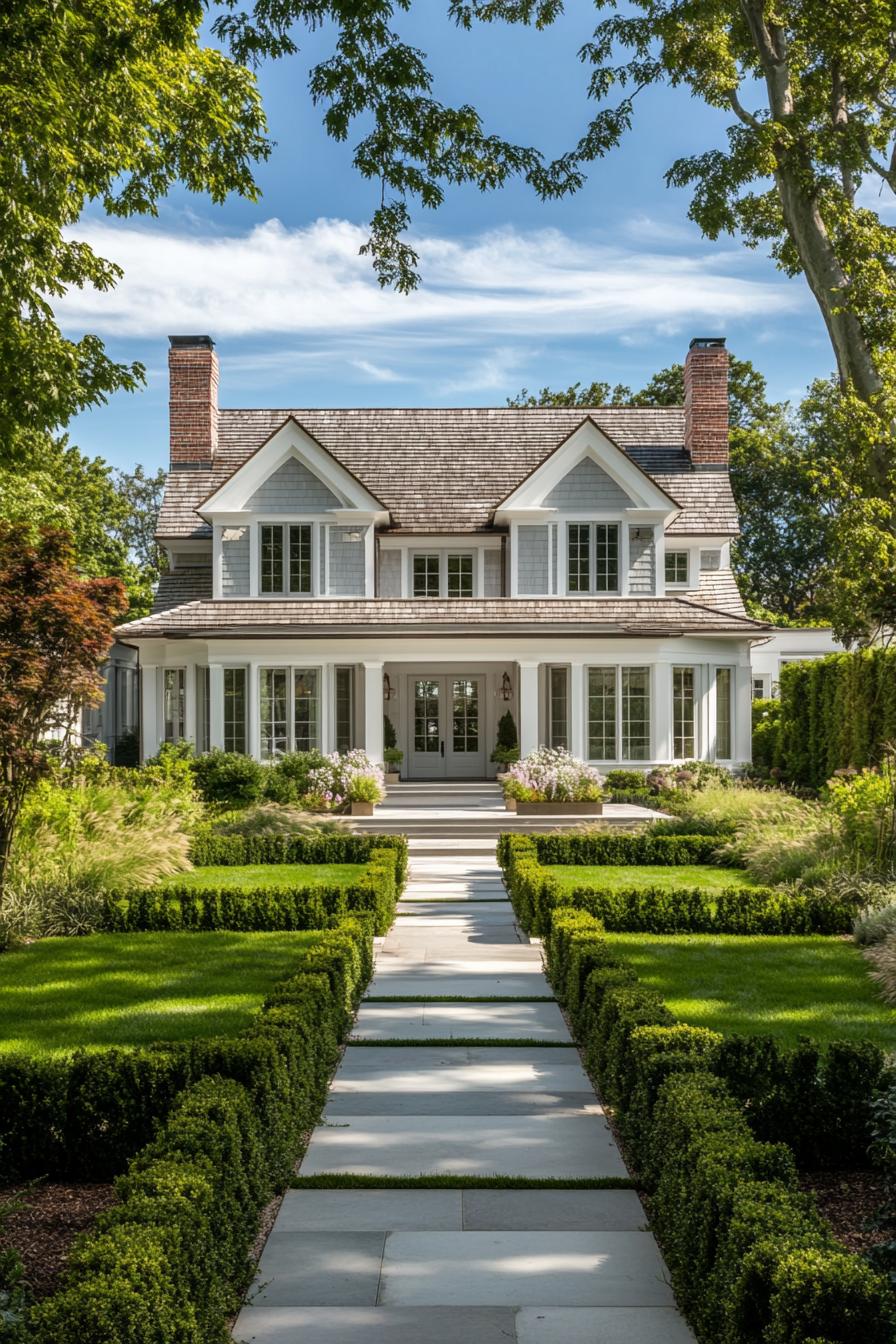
(750,1258)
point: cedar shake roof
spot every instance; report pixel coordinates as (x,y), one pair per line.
(446,470)
(184,607)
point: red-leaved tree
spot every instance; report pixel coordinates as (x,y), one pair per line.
(55,632)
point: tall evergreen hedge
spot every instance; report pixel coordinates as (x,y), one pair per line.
(836,712)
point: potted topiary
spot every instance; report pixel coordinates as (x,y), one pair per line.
(392,753)
(507,747)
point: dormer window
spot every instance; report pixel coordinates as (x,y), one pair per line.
(677,567)
(285,559)
(442,574)
(593,557)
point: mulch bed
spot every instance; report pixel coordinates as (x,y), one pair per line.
(42,1230)
(847,1200)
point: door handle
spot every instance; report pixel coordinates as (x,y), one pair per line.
(442,747)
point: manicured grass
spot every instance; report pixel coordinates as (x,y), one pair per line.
(665,876)
(784,987)
(130,989)
(255,875)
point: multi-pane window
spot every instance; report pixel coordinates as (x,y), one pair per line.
(759,691)
(306,701)
(683,713)
(426,575)
(203,709)
(602,713)
(635,713)
(285,558)
(426,717)
(235,709)
(273,689)
(723,713)
(464,715)
(174,702)
(460,576)
(558,698)
(676,567)
(592,557)
(345,708)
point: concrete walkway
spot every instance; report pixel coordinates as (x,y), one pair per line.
(465,1266)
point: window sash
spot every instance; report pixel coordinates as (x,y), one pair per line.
(300,558)
(174,702)
(235,709)
(683,714)
(426,578)
(285,560)
(203,710)
(460,575)
(592,558)
(558,705)
(578,553)
(606,557)
(723,714)
(273,711)
(345,708)
(635,684)
(677,566)
(602,703)
(306,708)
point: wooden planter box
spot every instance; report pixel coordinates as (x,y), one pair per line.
(552,808)
(392,776)
(510,804)
(362,809)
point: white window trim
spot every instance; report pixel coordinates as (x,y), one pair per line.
(284,524)
(617,668)
(678,585)
(443,552)
(322,702)
(591,520)
(694,669)
(732,710)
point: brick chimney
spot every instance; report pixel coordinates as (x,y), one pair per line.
(706,401)
(193,404)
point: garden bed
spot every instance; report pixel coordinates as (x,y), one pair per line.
(44,1226)
(253,875)
(623,877)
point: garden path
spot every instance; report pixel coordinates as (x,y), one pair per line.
(439,1085)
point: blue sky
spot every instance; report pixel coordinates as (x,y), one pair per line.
(609,284)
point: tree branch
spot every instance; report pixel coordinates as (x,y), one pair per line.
(741,112)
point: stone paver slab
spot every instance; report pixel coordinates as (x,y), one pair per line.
(387,1102)
(376,1325)
(459,986)
(574,1269)
(319,1269)
(534,1146)
(412,1021)
(552,1211)
(601,1325)
(522,1064)
(371,1211)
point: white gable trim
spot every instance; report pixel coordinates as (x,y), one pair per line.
(292,441)
(587,442)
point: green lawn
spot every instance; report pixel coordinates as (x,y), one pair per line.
(130,989)
(785,987)
(253,875)
(664,876)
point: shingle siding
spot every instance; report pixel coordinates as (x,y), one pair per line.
(348,566)
(292,488)
(532,559)
(235,563)
(641,562)
(389,577)
(587,486)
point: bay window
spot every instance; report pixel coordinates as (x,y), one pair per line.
(683,744)
(289,710)
(618,710)
(592,557)
(285,560)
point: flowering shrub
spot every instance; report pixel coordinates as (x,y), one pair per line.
(552,773)
(344,778)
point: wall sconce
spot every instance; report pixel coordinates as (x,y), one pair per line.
(388,692)
(352,536)
(506,687)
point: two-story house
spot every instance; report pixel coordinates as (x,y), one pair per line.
(439,567)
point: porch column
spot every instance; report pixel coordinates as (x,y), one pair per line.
(216,705)
(577,742)
(373,711)
(743,714)
(661,696)
(190,732)
(254,713)
(528,707)
(149,711)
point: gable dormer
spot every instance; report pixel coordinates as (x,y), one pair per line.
(293,522)
(587,522)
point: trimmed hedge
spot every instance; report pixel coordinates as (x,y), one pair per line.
(614,847)
(816,1099)
(836,711)
(264,908)
(210,850)
(84,1117)
(536,893)
(750,1258)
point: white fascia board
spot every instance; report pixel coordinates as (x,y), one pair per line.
(635,516)
(423,541)
(291,441)
(588,441)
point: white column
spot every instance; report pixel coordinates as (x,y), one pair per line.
(373,711)
(661,712)
(190,703)
(254,733)
(743,714)
(577,741)
(216,705)
(326,714)
(528,707)
(149,710)
(254,558)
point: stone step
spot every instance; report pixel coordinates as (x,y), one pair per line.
(492,1021)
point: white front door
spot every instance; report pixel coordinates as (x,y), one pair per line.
(445,731)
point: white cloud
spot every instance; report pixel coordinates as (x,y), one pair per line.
(311,282)
(377,372)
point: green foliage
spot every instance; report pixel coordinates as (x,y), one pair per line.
(85,1116)
(837,712)
(339,846)
(766,734)
(228,777)
(390,741)
(273,819)
(626,781)
(287,780)
(873,926)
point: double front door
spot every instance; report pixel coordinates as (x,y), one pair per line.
(446,729)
